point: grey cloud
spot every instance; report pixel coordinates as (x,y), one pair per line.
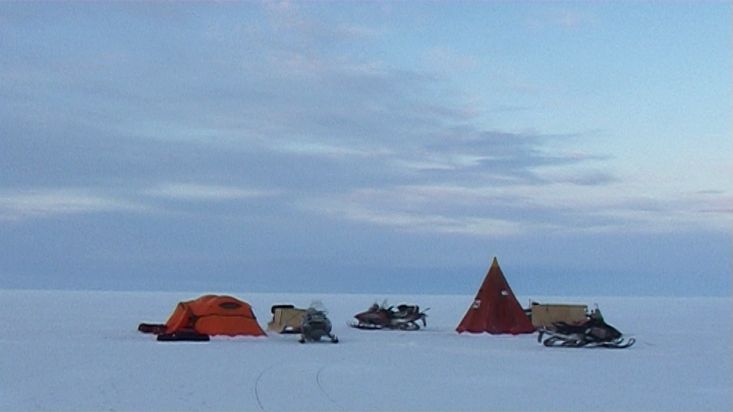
(587,178)
(231,101)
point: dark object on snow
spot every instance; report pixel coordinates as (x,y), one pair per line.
(403,317)
(316,325)
(593,333)
(183,335)
(154,328)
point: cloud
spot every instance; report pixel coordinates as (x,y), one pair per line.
(315,148)
(448,61)
(419,222)
(199,192)
(23,203)
(45,203)
(522,209)
(476,211)
(561,18)
(281,107)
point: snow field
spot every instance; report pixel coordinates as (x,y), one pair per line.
(76,351)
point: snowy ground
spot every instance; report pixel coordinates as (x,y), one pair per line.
(81,351)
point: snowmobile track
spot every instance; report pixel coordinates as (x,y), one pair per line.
(317,379)
(323,391)
(257,385)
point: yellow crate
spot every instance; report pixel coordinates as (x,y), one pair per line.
(286,320)
(544,315)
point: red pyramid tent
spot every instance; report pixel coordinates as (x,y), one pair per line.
(495,309)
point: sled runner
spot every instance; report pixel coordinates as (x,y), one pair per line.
(570,342)
(183,335)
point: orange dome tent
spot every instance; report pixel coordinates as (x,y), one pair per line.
(207,315)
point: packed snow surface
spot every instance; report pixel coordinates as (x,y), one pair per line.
(81,351)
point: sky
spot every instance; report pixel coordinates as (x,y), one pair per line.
(380,147)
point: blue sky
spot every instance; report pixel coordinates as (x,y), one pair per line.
(367,146)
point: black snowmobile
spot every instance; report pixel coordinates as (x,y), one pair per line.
(593,333)
(316,325)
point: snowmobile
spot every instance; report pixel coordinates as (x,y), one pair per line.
(592,333)
(315,325)
(403,317)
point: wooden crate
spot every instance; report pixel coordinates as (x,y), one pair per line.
(286,320)
(544,315)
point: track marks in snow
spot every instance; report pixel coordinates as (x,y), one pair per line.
(294,386)
(257,386)
(319,381)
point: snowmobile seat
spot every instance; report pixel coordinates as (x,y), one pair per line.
(404,310)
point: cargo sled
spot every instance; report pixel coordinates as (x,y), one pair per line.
(286,319)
